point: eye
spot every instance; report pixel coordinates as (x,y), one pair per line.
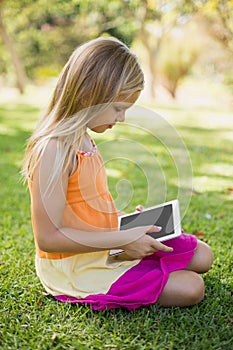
(117,109)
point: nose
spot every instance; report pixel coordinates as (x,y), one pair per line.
(121,117)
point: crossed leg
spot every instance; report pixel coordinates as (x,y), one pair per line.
(186,287)
(202,259)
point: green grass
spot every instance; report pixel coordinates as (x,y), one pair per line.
(32,320)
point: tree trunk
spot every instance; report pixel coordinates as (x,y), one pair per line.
(144,39)
(150,54)
(19,70)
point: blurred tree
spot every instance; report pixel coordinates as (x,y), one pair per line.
(146,13)
(219,17)
(216,17)
(46,32)
(176,59)
(15,59)
(157,19)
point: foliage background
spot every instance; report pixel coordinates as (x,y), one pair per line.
(173,38)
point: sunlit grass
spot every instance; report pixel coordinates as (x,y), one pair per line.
(31,320)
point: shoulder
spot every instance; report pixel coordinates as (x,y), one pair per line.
(51,148)
(50,154)
(58,155)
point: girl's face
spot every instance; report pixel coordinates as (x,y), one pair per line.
(113,114)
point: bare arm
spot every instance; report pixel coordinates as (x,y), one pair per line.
(48,208)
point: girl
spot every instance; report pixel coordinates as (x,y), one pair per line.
(73,215)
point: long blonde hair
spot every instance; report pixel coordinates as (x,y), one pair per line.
(96,74)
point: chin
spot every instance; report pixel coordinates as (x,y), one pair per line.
(100,129)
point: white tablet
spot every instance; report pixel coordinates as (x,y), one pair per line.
(166,215)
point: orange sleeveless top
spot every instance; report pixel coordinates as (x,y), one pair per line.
(89,205)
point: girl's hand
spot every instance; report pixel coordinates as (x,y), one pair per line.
(139,207)
(146,245)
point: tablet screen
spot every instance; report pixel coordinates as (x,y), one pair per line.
(161,216)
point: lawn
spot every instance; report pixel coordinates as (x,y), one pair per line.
(32,320)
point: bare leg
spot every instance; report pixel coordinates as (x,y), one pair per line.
(183,288)
(186,287)
(202,259)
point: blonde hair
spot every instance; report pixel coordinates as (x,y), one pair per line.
(98,72)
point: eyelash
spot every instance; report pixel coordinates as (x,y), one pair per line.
(117,109)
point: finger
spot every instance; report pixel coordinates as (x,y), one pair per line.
(154,229)
(151,252)
(139,207)
(160,246)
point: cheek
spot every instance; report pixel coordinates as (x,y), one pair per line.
(104,119)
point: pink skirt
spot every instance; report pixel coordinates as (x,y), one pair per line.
(143,283)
